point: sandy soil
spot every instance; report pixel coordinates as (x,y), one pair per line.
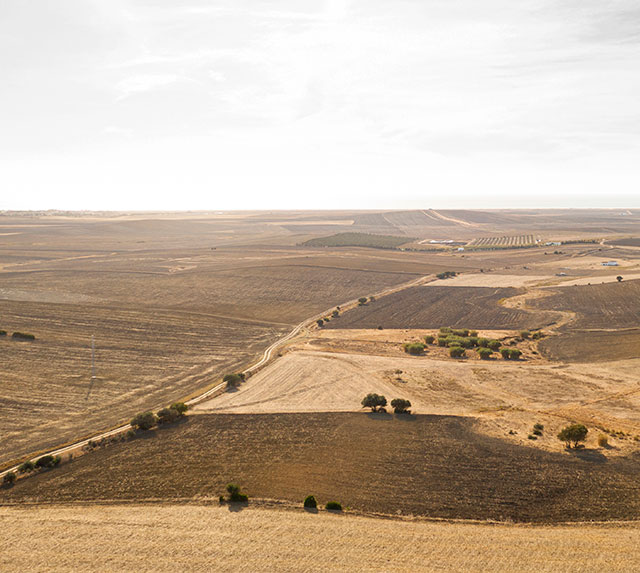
(206,538)
(507,397)
(312,382)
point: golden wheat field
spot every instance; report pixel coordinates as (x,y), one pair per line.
(206,538)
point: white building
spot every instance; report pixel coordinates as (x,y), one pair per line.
(610,264)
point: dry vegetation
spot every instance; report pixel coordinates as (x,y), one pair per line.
(89,537)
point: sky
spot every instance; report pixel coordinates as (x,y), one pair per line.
(327,104)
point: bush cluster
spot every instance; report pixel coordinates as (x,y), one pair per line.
(235,495)
(235,379)
(22,336)
(147,420)
(446,274)
(48,461)
(414,348)
(485,353)
(573,434)
(510,353)
(456,351)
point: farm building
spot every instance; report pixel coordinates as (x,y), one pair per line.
(610,264)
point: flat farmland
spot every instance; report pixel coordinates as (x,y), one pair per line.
(358,459)
(143,359)
(436,306)
(605,306)
(593,346)
(90,537)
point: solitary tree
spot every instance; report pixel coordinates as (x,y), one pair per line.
(9,479)
(362,300)
(320,322)
(374,401)
(232,380)
(573,434)
(619,278)
(401,406)
(235,495)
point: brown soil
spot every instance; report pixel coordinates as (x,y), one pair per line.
(593,346)
(433,466)
(436,306)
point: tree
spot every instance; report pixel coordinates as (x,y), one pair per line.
(362,300)
(48,461)
(374,401)
(26,467)
(310,502)
(167,415)
(573,434)
(9,479)
(180,407)
(333,506)
(335,314)
(401,406)
(235,495)
(144,421)
(320,322)
(619,278)
(233,380)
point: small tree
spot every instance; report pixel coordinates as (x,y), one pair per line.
(333,506)
(573,434)
(335,314)
(235,495)
(374,401)
(362,300)
(401,406)
(48,461)
(144,421)
(9,479)
(310,502)
(619,278)
(167,415)
(180,407)
(26,467)
(414,348)
(429,338)
(320,322)
(232,380)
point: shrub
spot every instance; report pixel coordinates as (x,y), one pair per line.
(531,437)
(573,434)
(180,407)
(168,415)
(333,506)
(460,332)
(362,301)
(473,340)
(144,421)
(23,336)
(374,401)
(456,351)
(473,333)
(619,278)
(48,461)
(485,353)
(9,479)
(372,299)
(537,432)
(603,441)
(310,502)
(3,333)
(335,314)
(537,335)
(483,342)
(525,334)
(235,495)
(414,348)
(233,380)
(514,354)
(401,406)
(445,330)
(320,322)
(429,339)
(130,434)
(443,341)
(26,467)
(538,427)
(494,345)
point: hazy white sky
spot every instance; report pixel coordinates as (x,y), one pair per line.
(219,104)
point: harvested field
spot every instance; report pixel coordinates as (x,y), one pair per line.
(491,280)
(593,346)
(609,305)
(143,359)
(357,459)
(88,538)
(359,240)
(629,242)
(436,306)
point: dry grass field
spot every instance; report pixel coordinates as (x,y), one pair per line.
(435,466)
(435,306)
(203,538)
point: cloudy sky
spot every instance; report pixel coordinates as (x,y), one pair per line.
(221,104)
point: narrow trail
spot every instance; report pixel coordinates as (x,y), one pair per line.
(266,356)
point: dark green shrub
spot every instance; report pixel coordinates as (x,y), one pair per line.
(374,401)
(506,352)
(47,462)
(320,322)
(485,353)
(573,434)
(443,341)
(362,301)
(456,351)
(473,341)
(9,479)
(531,437)
(26,467)
(483,342)
(538,427)
(515,354)
(232,380)
(235,495)
(401,406)
(429,338)
(144,421)
(333,506)
(494,345)
(167,415)
(335,314)
(3,333)
(445,330)
(310,502)
(130,434)
(23,336)
(460,332)
(537,432)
